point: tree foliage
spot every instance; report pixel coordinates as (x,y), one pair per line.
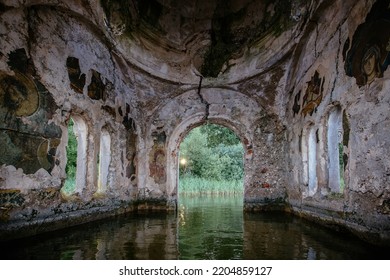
(212,152)
(217,134)
(71,152)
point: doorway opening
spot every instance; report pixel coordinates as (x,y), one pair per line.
(211,162)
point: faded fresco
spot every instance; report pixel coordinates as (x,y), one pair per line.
(27,139)
(313,95)
(96,89)
(157,159)
(76,77)
(297,107)
(18,94)
(367,57)
(131,139)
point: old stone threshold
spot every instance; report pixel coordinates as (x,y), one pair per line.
(334,220)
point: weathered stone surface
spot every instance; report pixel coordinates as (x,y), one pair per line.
(292,79)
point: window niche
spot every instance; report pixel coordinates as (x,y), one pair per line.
(312,161)
(104,161)
(304,153)
(309,159)
(335,151)
(76,153)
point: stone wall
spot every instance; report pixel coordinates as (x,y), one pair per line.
(49,74)
(225,106)
(338,137)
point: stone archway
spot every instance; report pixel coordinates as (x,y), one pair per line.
(178,136)
(177,117)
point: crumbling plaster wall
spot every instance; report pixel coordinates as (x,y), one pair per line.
(319,83)
(147,118)
(50,38)
(263,143)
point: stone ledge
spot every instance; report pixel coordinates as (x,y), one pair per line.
(21,229)
(340,222)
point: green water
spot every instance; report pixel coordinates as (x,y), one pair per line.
(202,228)
(211,227)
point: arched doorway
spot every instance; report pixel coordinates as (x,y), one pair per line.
(211,162)
(174,119)
(173,159)
(210,201)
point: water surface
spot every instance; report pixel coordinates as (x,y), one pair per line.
(202,228)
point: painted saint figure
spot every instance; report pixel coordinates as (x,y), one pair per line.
(313,95)
(370,64)
(18,95)
(15,94)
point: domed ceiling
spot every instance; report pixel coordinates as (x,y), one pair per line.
(224,39)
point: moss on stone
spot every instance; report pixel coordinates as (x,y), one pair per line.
(48,194)
(10,197)
(335,196)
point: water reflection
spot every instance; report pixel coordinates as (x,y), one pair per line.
(204,228)
(142,237)
(211,227)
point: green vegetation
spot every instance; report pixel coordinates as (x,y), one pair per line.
(190,185)
(71,165)
(211,161)
(69,185)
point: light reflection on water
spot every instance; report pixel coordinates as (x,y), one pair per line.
(211,227)
(203,228)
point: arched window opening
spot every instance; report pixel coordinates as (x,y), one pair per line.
(104,161)
(211,162)
(309,160)
(76,153)
(335,151)
(304,151)
(312,157)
